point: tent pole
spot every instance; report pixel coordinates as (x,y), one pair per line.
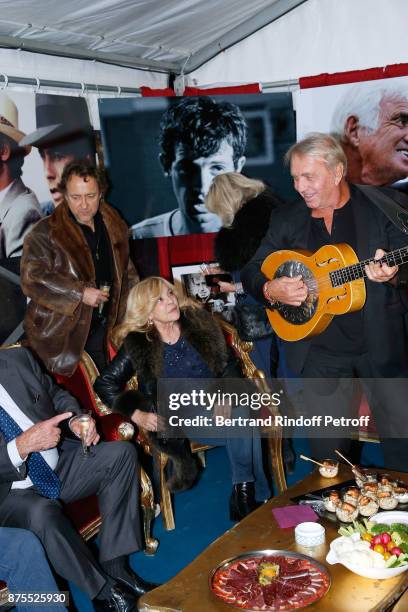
(288,85)
(6,80)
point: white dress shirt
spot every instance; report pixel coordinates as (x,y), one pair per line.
(50,455)
(4,192)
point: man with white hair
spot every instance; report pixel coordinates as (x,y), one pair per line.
(370,344)
(19,207)
(371,121)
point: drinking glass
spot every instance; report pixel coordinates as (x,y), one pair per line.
(105,287)
(84,419)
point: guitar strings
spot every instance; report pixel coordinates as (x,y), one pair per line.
(343,275)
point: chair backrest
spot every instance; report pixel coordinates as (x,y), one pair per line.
(242,351)
(80,385)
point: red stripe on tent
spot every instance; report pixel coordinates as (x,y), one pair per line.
(149,92)
(353,76)
(251,88)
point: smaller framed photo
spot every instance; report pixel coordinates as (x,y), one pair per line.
(208,289)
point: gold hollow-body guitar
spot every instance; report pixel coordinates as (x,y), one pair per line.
(335,281)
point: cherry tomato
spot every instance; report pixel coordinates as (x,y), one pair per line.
(387,555)
(380,549)
(385,538)
(377,540)
(367,537)
(390,545)
(396,551)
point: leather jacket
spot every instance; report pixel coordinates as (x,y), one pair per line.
(56,267)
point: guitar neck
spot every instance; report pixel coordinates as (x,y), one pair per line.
(355,271)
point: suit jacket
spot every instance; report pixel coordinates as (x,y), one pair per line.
(56,267)
(385,309)
(18,212)
(36,395)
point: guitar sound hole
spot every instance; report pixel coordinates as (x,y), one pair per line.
(297,315)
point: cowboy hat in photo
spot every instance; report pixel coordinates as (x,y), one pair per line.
(9,121)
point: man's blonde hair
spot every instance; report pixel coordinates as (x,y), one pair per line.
(141,301)
(229,192)
(321,146)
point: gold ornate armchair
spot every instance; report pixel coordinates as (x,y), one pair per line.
(242,350)
(115,427)
(84,513)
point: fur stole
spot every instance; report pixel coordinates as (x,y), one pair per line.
(199,329)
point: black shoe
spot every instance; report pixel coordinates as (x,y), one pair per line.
(136,584)
(242,500)
(121,600)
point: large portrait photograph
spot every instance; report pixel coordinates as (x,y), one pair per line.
(162,155)
(371,120)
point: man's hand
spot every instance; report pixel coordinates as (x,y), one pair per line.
(291,291)
(41,436)
(92,436)
(380,273)
(226,287)
(93,297)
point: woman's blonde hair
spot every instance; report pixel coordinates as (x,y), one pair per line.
(229,192)
(141,301)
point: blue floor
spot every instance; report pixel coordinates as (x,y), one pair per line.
(201,515)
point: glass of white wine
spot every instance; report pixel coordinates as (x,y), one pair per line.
(105,287)
(84,421)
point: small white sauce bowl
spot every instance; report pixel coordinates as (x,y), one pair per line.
(309,534)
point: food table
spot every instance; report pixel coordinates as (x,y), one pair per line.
(188,591)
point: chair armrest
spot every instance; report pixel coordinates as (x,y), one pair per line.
(115,427)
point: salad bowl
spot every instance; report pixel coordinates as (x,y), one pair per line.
(356,553)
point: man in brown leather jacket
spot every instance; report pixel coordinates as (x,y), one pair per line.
(67,257)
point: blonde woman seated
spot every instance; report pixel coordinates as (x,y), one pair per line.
(165,336)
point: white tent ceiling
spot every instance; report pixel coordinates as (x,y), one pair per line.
(129,43)
(158,35)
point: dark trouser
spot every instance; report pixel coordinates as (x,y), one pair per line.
(335,393)
(244,451)
(245,457)
(110,472)
(96,344)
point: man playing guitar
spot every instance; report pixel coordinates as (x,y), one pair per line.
(370,343)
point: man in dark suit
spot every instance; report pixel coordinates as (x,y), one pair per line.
(371,343)
(40,465)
